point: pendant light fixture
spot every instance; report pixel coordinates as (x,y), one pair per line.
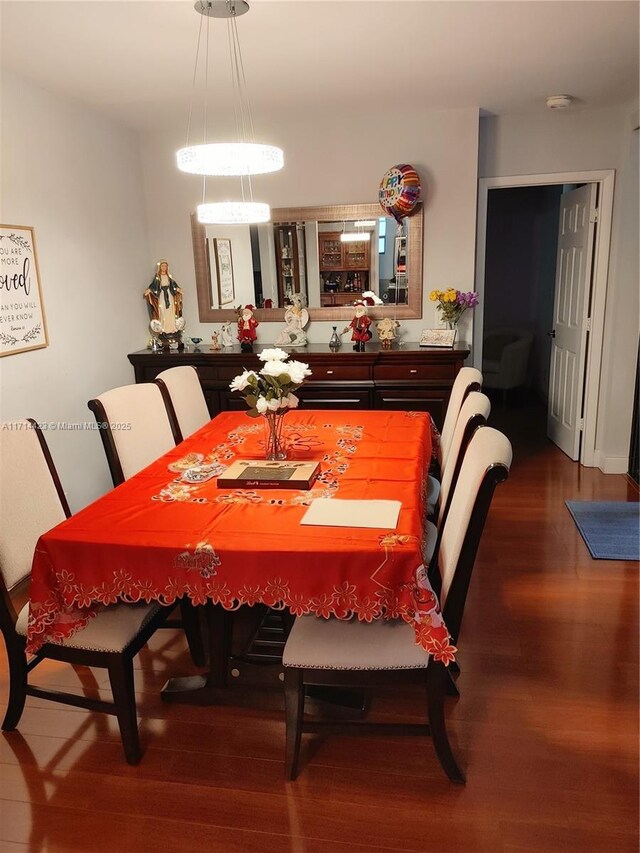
(241,158)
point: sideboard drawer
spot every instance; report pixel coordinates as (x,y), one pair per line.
(435,402)
(340,373)
(310,398)
(416,372)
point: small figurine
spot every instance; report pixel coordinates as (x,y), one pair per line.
(247,325)
(296,318)
(226,334)
(386,329)
(360,327)
(164,298)
(215,342)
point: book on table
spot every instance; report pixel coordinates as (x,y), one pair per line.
(265,474)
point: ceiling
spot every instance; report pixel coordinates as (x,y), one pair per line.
(134,60)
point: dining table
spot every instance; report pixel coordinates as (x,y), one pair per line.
(170,531)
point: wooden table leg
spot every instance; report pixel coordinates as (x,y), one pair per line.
(203,689)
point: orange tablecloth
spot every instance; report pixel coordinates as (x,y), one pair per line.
(156,537)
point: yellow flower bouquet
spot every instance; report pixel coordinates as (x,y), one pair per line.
(452,304)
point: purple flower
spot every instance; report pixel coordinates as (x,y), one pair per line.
(467,300)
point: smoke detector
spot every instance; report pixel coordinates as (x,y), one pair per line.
(559,102)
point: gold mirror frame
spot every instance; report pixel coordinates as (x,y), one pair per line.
(334,213)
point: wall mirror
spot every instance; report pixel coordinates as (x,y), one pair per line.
(329,254)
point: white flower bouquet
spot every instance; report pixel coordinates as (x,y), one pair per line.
(271,389)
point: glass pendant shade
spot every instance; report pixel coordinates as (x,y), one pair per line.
(230,158)
(233,213)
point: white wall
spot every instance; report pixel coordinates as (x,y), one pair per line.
(75,176)
(330,162)
(581,140)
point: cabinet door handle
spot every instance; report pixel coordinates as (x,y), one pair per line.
(413,370)
(329,372)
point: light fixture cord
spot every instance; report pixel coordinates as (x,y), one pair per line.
(242,107)
(206,105)
(193,82)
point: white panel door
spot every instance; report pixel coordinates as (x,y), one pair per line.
(570,313)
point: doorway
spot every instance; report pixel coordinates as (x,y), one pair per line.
(516,276)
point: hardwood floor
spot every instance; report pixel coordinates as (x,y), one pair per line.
(546,727)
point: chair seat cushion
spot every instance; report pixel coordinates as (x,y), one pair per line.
(433,493)
(383,644)
(110,630)
(430,538)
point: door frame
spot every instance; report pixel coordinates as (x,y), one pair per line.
(605,178)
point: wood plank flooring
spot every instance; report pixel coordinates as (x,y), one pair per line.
(546,727)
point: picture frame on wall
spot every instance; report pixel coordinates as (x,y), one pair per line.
(224,270)
(22,321)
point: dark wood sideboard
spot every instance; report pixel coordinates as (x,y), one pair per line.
(412,378)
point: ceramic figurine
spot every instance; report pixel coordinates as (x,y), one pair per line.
(247,325)
(215,342)
(386,329)
(164,298)
(360,333)
(296,318)
(226,334)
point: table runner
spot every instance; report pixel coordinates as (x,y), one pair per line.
(158,537)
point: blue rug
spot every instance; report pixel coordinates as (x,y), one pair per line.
(611,530)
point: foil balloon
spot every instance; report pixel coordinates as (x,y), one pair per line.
(399,191)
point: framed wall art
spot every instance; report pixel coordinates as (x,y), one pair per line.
(22,321)
(224,270)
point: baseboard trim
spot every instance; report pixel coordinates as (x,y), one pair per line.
(611,464)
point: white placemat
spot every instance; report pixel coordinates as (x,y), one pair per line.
(327,512)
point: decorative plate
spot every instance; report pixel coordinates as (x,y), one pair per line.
(188,461)
(201,473)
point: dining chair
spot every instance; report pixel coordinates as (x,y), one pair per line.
(135,431)
(473,414)
(32,502)
(183,397)
(135,428)
(335,653)
(468,379)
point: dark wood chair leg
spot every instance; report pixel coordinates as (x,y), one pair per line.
(450,686)
(436,681)
(192,624)
(17,687)
(121,679)
(294,711)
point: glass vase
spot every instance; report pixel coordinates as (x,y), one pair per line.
(274,443)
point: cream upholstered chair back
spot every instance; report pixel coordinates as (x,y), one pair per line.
(185,394)
(139,429)
(468,379)
(488,449)
(30,503)
(475,409)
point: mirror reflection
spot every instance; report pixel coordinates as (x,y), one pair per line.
(325,257)
(328,263)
